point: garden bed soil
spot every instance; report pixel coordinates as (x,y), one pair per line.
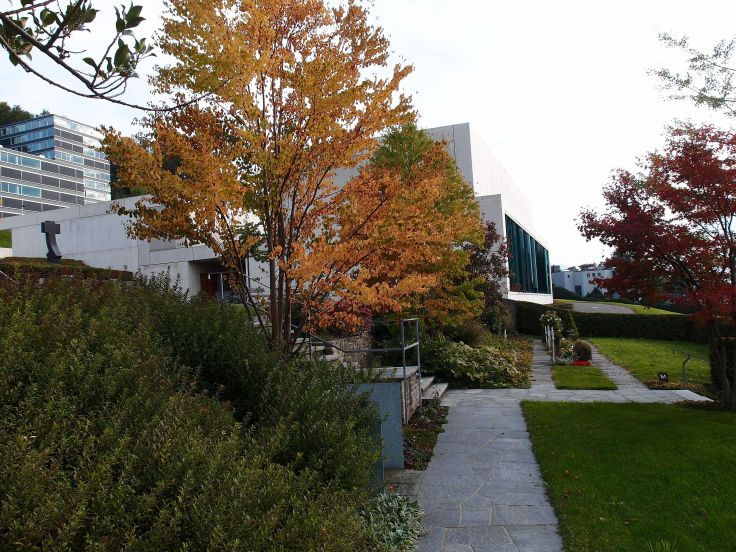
(420,434)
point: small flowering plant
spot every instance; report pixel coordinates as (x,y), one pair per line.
(550,318)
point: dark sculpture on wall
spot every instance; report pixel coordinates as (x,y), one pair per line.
(51,229)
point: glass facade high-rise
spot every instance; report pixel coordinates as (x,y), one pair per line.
(50,162)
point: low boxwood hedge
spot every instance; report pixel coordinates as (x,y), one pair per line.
(655,326)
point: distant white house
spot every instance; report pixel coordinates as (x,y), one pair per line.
(581,281)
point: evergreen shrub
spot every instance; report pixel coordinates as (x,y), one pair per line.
(114,434)
(582,350)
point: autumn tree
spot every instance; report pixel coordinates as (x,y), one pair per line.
(307,92)
(452,214)
(671,229)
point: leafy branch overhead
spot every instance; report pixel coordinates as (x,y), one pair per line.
(47,28)
(709,79)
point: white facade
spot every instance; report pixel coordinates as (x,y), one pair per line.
(90,233)
(580,281)
(499,197)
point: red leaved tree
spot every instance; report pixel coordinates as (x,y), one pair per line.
(671,229)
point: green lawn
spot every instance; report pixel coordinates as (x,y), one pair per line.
(625,477)
(638,309)
(644,358)
(5,238)
(580,377)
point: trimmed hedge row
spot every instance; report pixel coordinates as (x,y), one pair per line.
(655,326)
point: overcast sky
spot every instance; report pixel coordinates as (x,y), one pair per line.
(558,90)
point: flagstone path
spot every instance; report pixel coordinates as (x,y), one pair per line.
(483,491)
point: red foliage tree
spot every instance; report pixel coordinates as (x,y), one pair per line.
(671,229)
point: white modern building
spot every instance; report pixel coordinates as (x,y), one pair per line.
(503,203)
(581,281)
(91,234)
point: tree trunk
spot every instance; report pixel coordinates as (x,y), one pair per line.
(272,281)
(733,374)
(726,385)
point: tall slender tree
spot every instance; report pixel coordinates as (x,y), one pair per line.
(710,79)
(307,93)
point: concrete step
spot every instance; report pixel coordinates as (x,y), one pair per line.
(395,373)
(426,382)
(330,358)
(435,390)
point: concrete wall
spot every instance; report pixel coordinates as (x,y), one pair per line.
(388,397)
(497,194)
(92,234)
(484,172)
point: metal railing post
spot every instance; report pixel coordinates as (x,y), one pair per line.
(403,348)
(419,361)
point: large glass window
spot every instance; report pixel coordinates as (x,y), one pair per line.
(528,261)
(28,125)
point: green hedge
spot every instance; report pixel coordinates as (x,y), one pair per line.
(32,267)
(655,326)
(564,293)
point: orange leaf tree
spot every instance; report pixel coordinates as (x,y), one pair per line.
(293,96)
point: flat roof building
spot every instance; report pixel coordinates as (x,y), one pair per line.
(503,203)
(581,281)
(93,235)
(50,162)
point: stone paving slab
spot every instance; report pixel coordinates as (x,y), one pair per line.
(483,490)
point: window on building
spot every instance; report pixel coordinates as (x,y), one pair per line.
(528,261)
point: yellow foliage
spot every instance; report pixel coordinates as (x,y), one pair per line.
(289,101)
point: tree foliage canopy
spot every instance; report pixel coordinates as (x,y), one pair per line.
(671,227)
(13,114)
(709,79)
(297,94)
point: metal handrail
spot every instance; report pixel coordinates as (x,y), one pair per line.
(403,348)
(689,356)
